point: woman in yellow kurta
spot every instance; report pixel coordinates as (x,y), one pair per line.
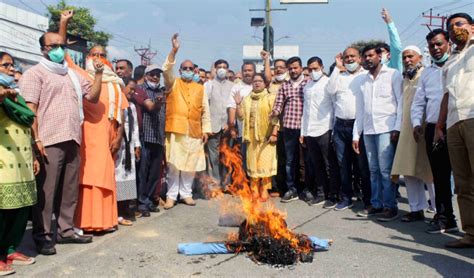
(260,134)
(97,204)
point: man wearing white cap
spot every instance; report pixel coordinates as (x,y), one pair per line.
(153,137)
(411,159)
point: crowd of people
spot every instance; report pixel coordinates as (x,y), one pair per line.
(83,150)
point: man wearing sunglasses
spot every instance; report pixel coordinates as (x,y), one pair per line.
(457,115)
(187,127)
(55,93)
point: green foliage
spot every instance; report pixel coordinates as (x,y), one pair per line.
(82,24)
(361,44)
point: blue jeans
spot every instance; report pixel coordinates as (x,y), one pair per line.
(292,152)
(380,154)
(349,160)
(150,174)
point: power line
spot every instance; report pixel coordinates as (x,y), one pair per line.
(29,7)
(455,8)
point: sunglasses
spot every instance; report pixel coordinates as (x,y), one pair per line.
(187,68)
(154,74)
(7,65)
(457,24)
(56,45)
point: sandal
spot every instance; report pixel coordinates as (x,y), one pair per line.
(124,222)
(18,258)
(5,269)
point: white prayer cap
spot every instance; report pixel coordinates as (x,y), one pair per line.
(414,48)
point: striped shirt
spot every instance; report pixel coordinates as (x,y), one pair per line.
(154,121)
(290,101)
(57,104)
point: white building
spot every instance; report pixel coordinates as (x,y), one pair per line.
(19,34)
(251,53)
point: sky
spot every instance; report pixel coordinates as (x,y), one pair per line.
(217,29)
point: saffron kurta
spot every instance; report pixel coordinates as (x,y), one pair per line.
(411,158)
(186,153)
(261,155)
(97,203)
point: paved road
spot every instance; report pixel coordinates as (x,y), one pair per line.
(361,248)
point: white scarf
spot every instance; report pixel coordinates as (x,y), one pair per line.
(63,69)
(112,79)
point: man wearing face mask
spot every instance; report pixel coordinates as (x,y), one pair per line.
(316,128)
(218,91)
(378,115)
(457,115)
(153,136)
(427,102)
(410,159)
(57,134)
(187,128)
(391,54)
(345,78)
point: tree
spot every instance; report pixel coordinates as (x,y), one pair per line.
(81,25)
(361,44)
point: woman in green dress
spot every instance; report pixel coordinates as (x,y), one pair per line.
(17,169)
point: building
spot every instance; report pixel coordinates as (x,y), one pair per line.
(19,34)
(251,53)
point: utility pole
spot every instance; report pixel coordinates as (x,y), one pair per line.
(431,23)
(145,54)
(268,29)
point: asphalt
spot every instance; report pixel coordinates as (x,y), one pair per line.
(362,248)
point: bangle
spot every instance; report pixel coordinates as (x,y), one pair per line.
(37,140)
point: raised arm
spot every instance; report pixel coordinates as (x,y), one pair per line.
(266,62)
(395,42)
(331,87)
(170,62)
(94,94)
(63,23)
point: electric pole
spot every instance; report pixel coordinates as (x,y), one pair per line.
(431,18)
(145,54)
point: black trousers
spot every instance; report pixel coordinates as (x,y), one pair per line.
(441,168)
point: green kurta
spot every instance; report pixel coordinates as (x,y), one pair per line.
(17,181)
(411,158)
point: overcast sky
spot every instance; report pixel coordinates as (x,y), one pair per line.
(214,29)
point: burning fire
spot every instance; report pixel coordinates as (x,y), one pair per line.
(264,226)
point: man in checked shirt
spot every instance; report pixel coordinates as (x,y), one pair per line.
(289,103)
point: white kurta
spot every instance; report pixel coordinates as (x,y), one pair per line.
(126,179)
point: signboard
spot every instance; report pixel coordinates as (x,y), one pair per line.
(304,1)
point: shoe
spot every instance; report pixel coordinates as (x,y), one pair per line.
(433,220)
(289,196)
(74,239)
(388,215)
(441,227)
(460,243)
(138,214)
(18,258)
(153,208)
(46,249)
(145,213)
(329,204)
(413,216)
(189,201)
(319,200)
(344,204)
(430,209)
(307,196)
(5,269)
(370,211)
(169,203)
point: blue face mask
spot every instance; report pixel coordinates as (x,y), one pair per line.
(441,60)
(56,55)
(187,75)
(385,59)
(196,78)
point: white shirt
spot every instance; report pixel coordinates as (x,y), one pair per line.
(428,96)
(244,90)
(460,85)
(343,86)
(379,103)
(318,109)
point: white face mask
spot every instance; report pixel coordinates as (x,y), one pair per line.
(352,66)
(385,59)
(316,75)
(152,85)
(280,77)
(221,73)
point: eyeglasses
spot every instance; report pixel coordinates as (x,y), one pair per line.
(154,74)
(102,55)
(56,45)
(457,24)
(7,65)
(187,68)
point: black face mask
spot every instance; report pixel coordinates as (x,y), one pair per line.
(411,72)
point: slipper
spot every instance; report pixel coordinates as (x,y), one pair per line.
(124,222)
(5,269)
(18,258)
